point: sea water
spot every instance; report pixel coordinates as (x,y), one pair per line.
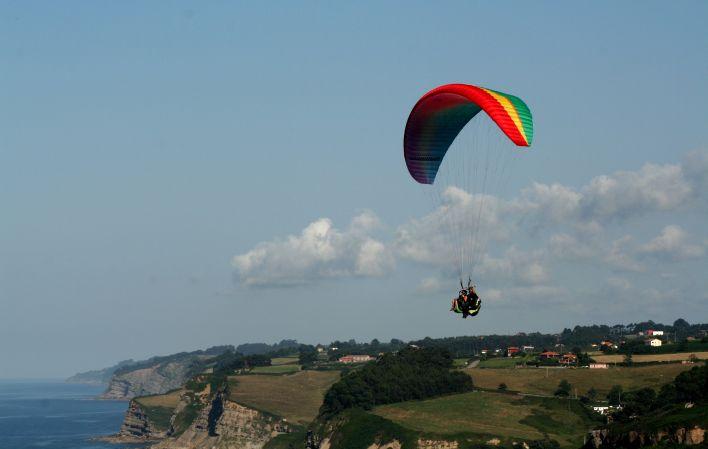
(56,415)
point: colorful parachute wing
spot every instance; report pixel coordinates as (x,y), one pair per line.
(440,115)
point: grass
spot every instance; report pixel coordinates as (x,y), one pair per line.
(291,360)
(545,381)
(460,363)
(295,397)
(494,414)
(500,362)
(618,358)
(159,408)
(276,369)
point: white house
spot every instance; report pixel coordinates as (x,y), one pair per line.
(654,333)
(655,342)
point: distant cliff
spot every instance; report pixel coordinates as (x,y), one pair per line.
(159,375)
(100,376)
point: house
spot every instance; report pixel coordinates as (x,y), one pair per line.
(603,409)
(568,359)
(527,349)
(355,359)
(548,355)
(653,333)
(654,342)
(598,366)
(512,350)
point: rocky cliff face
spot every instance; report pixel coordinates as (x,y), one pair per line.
(157,379)
(604,439)
(227,425)
(136,425)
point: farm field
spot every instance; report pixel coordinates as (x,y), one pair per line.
(291,360)
(502,362)
(494,414)
(545,381)
(296,397)
(618,358)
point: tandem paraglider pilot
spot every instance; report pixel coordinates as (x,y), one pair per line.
(467,302)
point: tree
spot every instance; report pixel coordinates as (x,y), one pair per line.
(592,393)
(628,359)
(614,397)
(308,355)
(563,388)
(502,387)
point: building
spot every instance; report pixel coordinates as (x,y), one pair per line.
(601,409)
(568,359)
(653,333)
(511,351)
(598,366)
(654,342)
(355,359)
(527,349)
(548,355)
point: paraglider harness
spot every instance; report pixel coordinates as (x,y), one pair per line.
(469,306)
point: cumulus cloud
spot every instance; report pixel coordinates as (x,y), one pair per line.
(619,196)
(672,244)
(580,225)
(320,251)
(463,221)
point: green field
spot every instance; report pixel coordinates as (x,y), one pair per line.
(500,362)
(290,360)
(159,408)
(494,414)
(545,381)
(296,397)
(276,369)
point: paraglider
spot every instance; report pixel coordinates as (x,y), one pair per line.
(433,125)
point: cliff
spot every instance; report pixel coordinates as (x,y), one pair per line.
(98,377)
(156,379)
(605,438)
(224,424)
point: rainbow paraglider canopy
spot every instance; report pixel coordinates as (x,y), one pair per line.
(439,116)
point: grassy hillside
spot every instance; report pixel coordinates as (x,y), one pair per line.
(296,397)
(545,381)
(503,415)
(159,408)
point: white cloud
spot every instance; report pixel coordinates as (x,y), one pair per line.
(620,255)
(320,251)
(625,194)
(579,228)
(672,244)
(462,221)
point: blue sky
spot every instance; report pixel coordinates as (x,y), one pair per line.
(144,146)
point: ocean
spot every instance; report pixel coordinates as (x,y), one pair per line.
(56,415)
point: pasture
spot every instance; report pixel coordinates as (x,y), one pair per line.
(544,381)
(494,414)
(296,397)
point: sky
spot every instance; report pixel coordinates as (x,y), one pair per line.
(176,175)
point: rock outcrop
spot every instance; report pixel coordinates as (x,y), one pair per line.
(605,439)
(227,425)
(157,379)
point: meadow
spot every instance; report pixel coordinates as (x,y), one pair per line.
(296,397)
(494,414)
(544,381)
(639,358)
(159,407)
